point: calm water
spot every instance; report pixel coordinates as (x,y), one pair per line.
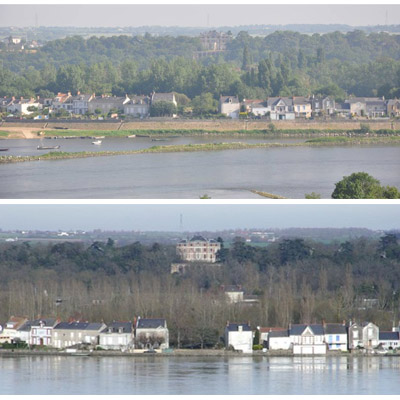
(199,375)
(290,172)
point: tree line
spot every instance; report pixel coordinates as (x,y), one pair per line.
(296,281)
(281,64)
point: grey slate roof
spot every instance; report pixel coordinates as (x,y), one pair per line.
(235,327)
(233,288)
(26,327)
(233,99)
(169,97)
(46,322)
(335,329)
(388,335)
(82,326)
(150,323)
(272,101)
(298,329)
(115,326)
(276,334)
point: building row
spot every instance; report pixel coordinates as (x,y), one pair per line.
(304,339)
(290,108)
(81,104)
(144,333)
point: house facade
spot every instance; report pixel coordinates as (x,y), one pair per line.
(107,103)
(233,293)
(41,331)
(239,336)
(389,340)
(229,106)
(322,105)
(66,334)
(370,336)
(301,107)
(307,339)
(117,336)
(151,333)
(22,106)
(166,97)
(138,106)
(281,108)
(80,103)
(279,340)
(10,330)
(198,248)
(336,337)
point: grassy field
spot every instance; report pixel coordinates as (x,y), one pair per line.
(4,134)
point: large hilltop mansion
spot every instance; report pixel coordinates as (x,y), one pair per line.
(198,248)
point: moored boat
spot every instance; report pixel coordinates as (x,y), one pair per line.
(3,149)
(47,147)
(97,142)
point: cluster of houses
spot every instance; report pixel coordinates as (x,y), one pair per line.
(304,339)
(142,334)
(273,108)
(153,334)
(290,108)
(83,104)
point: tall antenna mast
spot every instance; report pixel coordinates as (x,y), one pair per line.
(181,222)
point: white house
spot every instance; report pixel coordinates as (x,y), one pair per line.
(307,339)
(233,293)
(389,340)
(198,248)
(10,331)
(117,336)
(138,106)
(41,331)
(281,108)
(336,337)
(24,332)
(370,335)
(229,106)
(151,333)
(80,103)
(279,340)
(239,336)
(22,106)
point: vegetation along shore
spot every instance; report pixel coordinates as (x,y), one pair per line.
(338,141)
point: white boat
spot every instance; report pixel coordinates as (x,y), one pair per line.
(97,142)
(131,136)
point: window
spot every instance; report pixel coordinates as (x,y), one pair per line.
(337,338)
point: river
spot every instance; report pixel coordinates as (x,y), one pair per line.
(290,171)
(54,375)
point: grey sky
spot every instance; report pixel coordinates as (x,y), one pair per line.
(196,217)
(196,15)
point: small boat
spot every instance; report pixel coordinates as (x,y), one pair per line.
(99,137)
(131,136)
(48,147)
(159,140)
(142,135)
(3,149)
(97,142)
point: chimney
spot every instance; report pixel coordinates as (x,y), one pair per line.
(227,323)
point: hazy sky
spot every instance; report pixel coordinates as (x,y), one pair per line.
(196,15)
(196,217)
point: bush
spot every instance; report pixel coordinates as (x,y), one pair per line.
(257,347)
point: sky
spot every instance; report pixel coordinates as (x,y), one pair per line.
(197,15)
(196,217)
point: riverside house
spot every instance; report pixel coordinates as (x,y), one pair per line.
(138,106)
(10,331)
(307,339)
(239,336)
(281,108)
(67,334)
(117,336)
(336,336)
(41,331)
(229,106)
(151,333)
(107,103)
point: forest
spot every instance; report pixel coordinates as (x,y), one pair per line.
(284,63)
(295,281)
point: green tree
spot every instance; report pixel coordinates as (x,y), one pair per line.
(204,104)
(163,109)
(312,195)
(358,185)
(246,59)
